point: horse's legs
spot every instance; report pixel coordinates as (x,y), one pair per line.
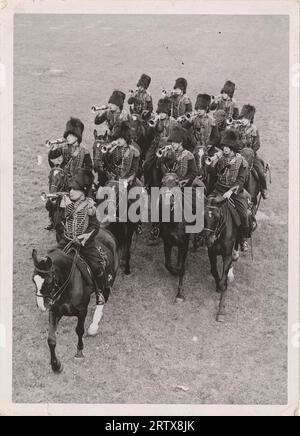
(182,255)
(213,266)
(128,236)
(168,257)
(80,333)
(227,262)
(53,323)
(94,327)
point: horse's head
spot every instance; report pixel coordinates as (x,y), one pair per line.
(212,218)
(43,278)
(58,180)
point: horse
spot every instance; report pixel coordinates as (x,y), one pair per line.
(61,288)
(221,236)
(122,231)
(142,134)
(173,233)
(58,182)
(100,158)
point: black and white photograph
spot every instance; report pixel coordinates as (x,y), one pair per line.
(155,177)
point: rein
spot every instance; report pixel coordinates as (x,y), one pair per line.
(59,290)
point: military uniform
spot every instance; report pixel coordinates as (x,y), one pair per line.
(180,104)
(229,105)
(232,172)
(80,221)
(180,160)
(81,158)
(249,138)
(111,117)
(141,101)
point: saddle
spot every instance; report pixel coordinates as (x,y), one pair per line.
(234,214)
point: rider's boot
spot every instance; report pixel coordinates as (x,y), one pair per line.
(244,231)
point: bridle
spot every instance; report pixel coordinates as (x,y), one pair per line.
(56,290)
(216,233)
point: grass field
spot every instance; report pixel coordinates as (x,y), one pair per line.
(149,348)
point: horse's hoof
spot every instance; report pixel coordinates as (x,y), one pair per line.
(235,255)
(127,273)
(230,275)
(92,331)
(59,369)
(180,299)
(220,317)
(79,355)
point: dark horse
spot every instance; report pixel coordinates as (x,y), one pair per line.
(58,182)
(221,235)
(121,227)
(61,287)
(173,232)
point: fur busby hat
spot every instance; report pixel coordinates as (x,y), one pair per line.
(54,153)
(117,98)
(74,127)
(202,102)
(178,134)
(164,106)
(248,111)
(230,139)
(123,131)
(181,83)
(144,81)
(228,88)
(82,180)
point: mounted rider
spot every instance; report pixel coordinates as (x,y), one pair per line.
(114,111)
(231,172)
(226,102)
(55,160)
(76,156)
(249,138)
(124,156)
(180,103)
(81,228)
(140,101)
(178,159)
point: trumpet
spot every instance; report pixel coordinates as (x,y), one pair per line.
(212,160)
(166,93)
(45,196)
(95,109)
(153,121)
(109,148)
(187,117)
(163,150)
(60,141)
(232,122)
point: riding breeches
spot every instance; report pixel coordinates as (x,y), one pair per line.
(259,166)
(242,208)
(90,254)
